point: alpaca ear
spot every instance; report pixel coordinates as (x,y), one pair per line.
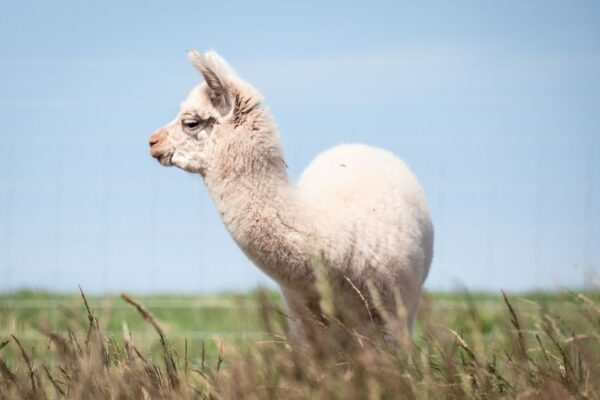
(214,74)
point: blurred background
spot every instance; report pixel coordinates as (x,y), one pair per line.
(494,105)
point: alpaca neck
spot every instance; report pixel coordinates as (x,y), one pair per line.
(261,210)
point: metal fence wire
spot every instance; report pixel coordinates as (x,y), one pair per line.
(99,213)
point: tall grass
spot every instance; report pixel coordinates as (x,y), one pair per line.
(531,351)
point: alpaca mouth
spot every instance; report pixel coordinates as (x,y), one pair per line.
(164,157)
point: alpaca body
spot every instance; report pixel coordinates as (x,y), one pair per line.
(373,220)
(357,211)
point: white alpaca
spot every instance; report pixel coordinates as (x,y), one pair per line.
(356,210)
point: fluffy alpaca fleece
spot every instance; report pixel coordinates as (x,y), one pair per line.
(357,211)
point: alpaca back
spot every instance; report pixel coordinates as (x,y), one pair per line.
(373,219)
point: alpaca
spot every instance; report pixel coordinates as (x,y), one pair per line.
(357,210)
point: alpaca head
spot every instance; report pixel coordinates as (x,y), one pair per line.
(210,112)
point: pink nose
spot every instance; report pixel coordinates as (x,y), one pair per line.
(157,137)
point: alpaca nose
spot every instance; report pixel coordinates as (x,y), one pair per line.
(157,138)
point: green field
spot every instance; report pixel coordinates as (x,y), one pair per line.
(468,329)
(195,319)
(234,317)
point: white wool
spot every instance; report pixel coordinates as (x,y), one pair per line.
(357,211)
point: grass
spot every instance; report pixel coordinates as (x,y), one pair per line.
(539,345)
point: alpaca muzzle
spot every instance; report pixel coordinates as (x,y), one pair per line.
(159,147)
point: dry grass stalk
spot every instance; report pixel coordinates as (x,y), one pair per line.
(442,362)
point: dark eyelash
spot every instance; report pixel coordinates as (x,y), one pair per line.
(192,125)
(198,123)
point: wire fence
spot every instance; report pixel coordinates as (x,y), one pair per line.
(51,308)
(97,212)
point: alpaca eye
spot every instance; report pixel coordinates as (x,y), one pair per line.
(191,123)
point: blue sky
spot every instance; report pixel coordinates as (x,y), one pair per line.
(493,105)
